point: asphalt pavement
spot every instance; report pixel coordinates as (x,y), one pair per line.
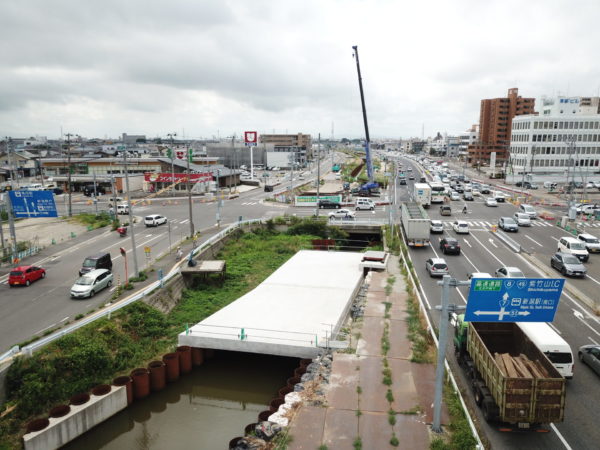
(482,251)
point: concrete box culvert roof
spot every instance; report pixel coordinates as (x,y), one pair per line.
(289,314)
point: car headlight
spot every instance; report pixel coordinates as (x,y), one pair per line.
(569,272)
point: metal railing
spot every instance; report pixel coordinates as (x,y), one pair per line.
(107,312)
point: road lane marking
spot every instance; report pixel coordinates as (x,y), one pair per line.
(531,239)
(555,329)
(492,242)
(488,250)
(467,242)
(593,279)
(582,320)
(595,343)
(560,436)
(44,329)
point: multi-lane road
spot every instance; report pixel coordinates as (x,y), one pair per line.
(46,304)
(482,251)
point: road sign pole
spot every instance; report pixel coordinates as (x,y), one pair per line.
(446,283)
(439,371)
(130,209)
(11,228)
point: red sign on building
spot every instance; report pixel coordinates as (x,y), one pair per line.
(250,138)
(168,177)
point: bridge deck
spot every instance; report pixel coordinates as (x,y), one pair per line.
(291,313)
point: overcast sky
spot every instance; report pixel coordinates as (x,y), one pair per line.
(208,68)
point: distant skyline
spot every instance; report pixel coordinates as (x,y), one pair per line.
(220,67)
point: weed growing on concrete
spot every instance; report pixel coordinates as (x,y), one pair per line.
(412,411)
(459,426)
(394,440)
(385,339)
(392,417)
(387,376)
(417,332)
(323,447)
(389,396)
(358,390)
(358,413)
(357,444)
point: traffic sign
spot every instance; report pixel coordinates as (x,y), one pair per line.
(513,299)
(250,138)
(27,203)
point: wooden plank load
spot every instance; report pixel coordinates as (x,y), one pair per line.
(520,366)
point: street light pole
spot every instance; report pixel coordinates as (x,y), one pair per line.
(70,213)
(189,192)
(218,199)
(11,220)
(172,135)
(318,173)
(130,208)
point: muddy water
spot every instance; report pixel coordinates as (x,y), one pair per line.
(202,410)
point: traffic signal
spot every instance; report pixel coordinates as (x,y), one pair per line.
(190,154)
(170,153)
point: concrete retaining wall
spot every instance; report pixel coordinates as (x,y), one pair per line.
(79,420)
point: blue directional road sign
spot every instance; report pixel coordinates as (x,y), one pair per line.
(513,299)
(33,203)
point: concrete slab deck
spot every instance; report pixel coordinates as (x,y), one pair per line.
(290,313)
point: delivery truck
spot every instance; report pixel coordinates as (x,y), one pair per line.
(422,194)
(415,224)
(513,381)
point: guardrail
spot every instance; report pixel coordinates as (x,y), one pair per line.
(431,329)
(29,349)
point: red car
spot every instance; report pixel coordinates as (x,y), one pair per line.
(25,275)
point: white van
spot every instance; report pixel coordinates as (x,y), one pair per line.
(556,349)
(364,203)
(572,246)
(499,196)
(529,210)
(34,187)
(550,185)
(123,209)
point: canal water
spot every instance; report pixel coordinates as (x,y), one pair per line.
(202,410)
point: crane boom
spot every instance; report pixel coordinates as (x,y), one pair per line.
(364,111)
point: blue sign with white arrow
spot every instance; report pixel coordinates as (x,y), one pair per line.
(33,203)
(513,299)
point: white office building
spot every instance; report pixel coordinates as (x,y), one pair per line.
(568,106)
(550,148)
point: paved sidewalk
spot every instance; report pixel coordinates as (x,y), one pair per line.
(356,401)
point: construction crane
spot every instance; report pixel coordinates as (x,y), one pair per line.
(370,185)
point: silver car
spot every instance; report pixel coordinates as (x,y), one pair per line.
(91,283)
(522,219)
(590,355)
(436,226)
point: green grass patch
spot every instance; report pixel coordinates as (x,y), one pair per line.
(417,332)
(135,335)
(93,220)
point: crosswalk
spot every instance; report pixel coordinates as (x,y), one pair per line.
(249,203)
(486,224)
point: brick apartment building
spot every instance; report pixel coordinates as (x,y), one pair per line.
(495,124)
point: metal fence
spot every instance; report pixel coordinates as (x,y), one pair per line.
(107,312)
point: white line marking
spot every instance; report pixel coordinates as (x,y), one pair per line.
(593,279)
(44,329)
(560,436)
(555,329)
(534,241)
(595,343)
(467,242)
(582,320)
(461,295)
(488,250)
(492,242)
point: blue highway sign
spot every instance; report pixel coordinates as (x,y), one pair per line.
(33,203)
(513,299)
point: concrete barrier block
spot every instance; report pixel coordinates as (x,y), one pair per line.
(80,419)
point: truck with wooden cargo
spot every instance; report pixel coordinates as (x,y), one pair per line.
(415,223)
(513,381)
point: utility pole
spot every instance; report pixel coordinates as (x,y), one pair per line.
(218,199)
(364,111)
(292,160)
(571,212)
(130,208)
(11,219)
(318,173)
(172,135)
(444,308)
(189,192)
(70,210)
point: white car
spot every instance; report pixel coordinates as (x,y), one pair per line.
(509,272)
(491,202)
(436,226)
(154,220)
(460,227)
(522,219)
(89,284)
(454,195)
(344,214)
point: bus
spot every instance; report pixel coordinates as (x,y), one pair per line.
(556,349)
(438,192)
